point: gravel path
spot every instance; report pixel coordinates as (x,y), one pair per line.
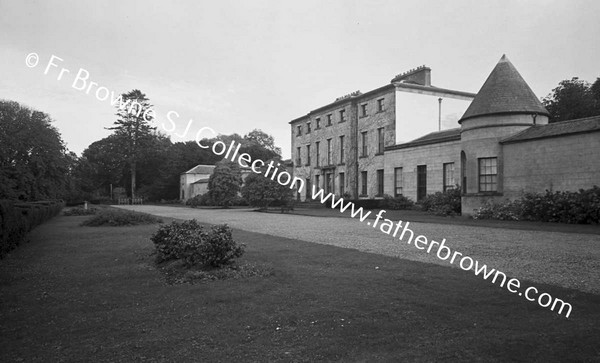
(569,260)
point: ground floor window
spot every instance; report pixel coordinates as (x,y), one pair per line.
(342,182)
(329,183)
(488,174)
(421,182)
(308,188)
(380,182)
(398,182)
(317,182)
(449,176)
(363,183)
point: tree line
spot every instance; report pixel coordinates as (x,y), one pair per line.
(134,160)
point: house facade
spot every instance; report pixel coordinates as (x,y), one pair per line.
(411,138)
(341,147)
(194,181)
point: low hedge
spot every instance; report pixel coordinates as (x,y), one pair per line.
(581,207)
(119,217)
(388,202)
(16,219)
(447,203)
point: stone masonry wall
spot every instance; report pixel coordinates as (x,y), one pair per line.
(565,163)
(434,156)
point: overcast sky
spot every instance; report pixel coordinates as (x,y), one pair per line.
(239,65)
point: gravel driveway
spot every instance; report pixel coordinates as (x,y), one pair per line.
(569,260)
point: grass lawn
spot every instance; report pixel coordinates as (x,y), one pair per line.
(92,294)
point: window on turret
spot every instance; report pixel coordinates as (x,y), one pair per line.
(488,174)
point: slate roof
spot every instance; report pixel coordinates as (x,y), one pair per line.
(200,169)
(504,92)
(431,138)
(582,125)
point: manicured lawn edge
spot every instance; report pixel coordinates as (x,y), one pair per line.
(79,292)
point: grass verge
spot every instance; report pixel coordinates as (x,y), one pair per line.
(79,293)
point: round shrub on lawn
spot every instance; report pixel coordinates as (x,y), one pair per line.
(195,245)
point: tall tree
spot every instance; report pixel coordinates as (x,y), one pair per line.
(573,99)
(264,140)
(133,129)
(224,183)
(260,191)
(34,163)
(101,164)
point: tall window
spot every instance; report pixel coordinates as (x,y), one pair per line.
(380,105)
(298,156)
(317,123)
(329,183)
(342,115)
(328,151)
(398,181)
(318,153)
(380,140)
(488,174)
(308,127)
(307,155)
(449,176)
(342,151)
(380,182)
(363,110)
(329,120)
(317,181)
(363,138)
(421,182)
(342,181)
(299,128)
(363,183)
(463,171)
(308,188)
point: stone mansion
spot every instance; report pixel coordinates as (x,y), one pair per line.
(402,139)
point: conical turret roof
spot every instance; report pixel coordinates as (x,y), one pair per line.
(504,92)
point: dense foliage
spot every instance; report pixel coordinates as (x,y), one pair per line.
(446,203)
(34,163)
(573,99)
(581,207)
(16,219)
(396,203)
(80,211)
(262,192)
(224,183)
(195,245)
(119,217)
(160,164)
(203,200)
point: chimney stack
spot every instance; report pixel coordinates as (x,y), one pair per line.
(420,75)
